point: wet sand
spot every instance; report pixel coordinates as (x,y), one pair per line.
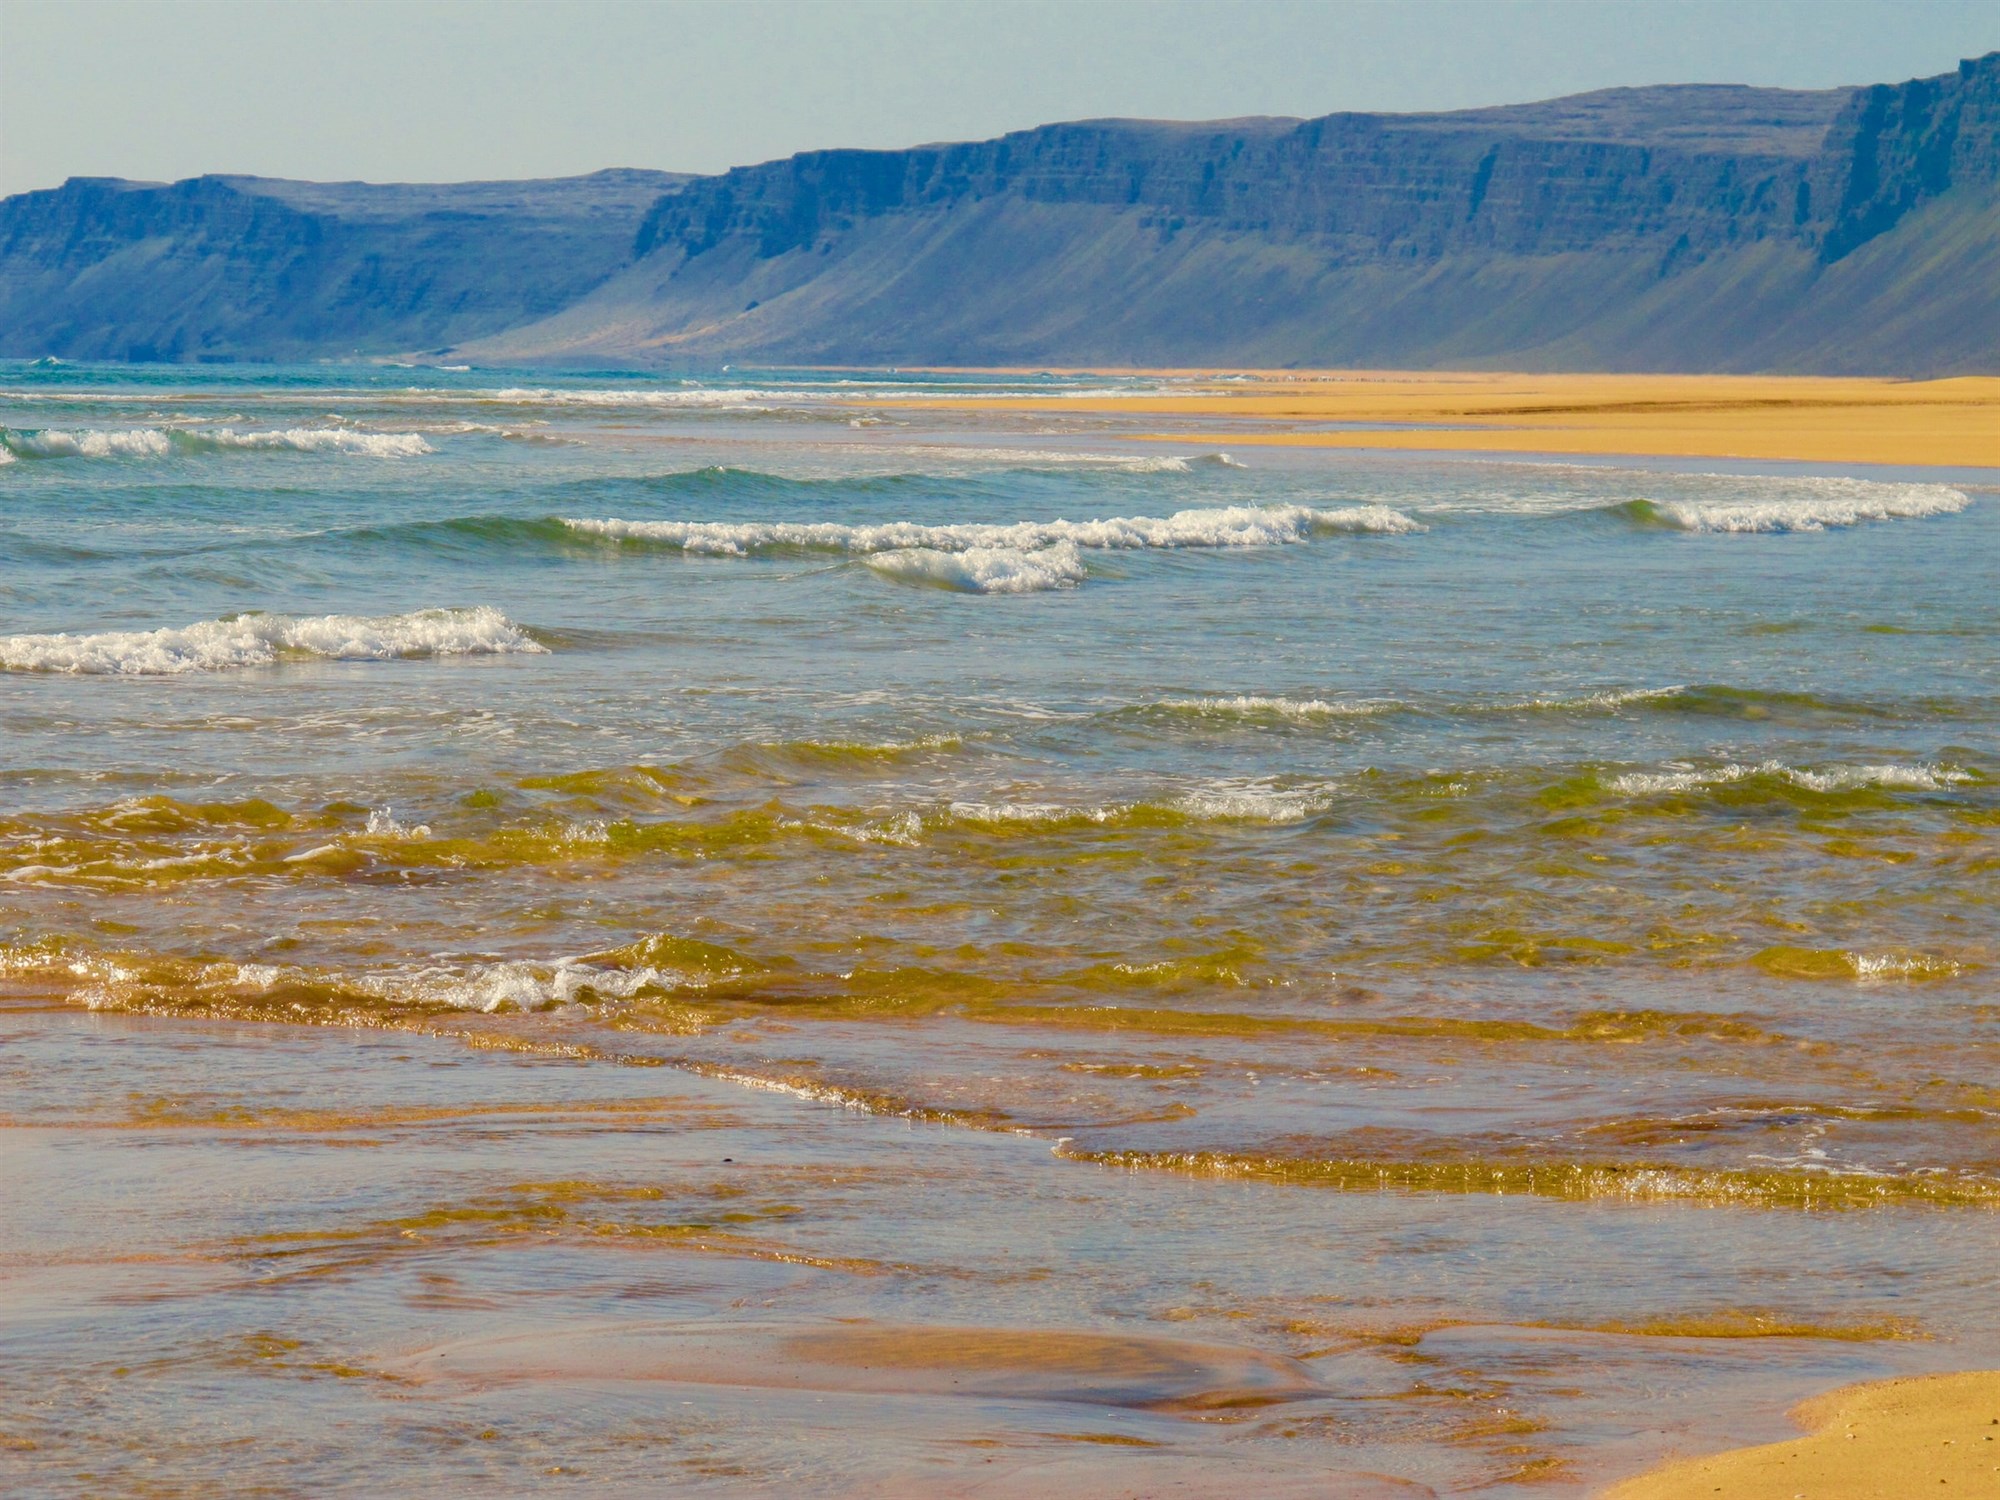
(1869,1442)
(633,1277)
(1929,422)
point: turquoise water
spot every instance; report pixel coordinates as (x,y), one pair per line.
(1426,924)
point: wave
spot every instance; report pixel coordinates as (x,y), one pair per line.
(138,442)
(1254,804)
(1800,505)
(984,570)
(1868,968)
(155,442)
(972,472)
(822,755)
(1224,526)
(1708,700)
(741,398)
(1835,779)
(1126,463)
(116,981)
(1251,708)
(1220,802)
(255,640)
(1255,708)
(1573,1181)
(159,842)
(489,987)
(905,478)
(756,398)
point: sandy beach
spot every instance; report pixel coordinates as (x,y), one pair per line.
(1878,1441)
(1928,422)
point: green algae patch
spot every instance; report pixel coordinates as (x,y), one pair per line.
(1835,963)
(1591,1026)
(1743,1323)
(1567,1181)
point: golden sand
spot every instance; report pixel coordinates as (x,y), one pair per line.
(1921,422)
(1938,1435)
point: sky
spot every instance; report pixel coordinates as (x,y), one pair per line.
(449,90)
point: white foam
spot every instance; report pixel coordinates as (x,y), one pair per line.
(1043,458)
(904,829)
(1697,501)
(1812,505)
(1034,814)
(1917,778)
(312,440)
(154,442)
(1221,802)
(1379,519)
(738,398)
(517,986)
(382,824)
(1222,526)
(505,985)
(1254,804)
(1253,706)
(844,392)
(1609,699)
(1877,967)
(1920,778)
(257,640)
(137,442)
(985,570)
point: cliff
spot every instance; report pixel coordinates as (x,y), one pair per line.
(1694,227)
(250,268)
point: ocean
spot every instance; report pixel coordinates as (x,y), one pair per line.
(783,933)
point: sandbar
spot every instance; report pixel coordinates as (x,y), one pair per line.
(1952,423)
(1929,1435)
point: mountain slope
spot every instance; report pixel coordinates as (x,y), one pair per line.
(1690,227)
(245,267)
(1671,228)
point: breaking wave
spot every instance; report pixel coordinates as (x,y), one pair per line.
(1707,700)
(1800,505)
(1868,968)
(1124,463)
(984,570)
(728,398)
(750,398)
(1224,526)
(1259,708)
(489,987)
(255,640)
(155,442)
(1895,778)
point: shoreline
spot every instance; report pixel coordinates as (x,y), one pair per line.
(1952,423)
(1881,1439)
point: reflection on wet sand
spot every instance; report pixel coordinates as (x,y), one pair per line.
(559,1270)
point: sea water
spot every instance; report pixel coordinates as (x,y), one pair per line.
(797,933)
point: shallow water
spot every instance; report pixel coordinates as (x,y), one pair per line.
(1474,973)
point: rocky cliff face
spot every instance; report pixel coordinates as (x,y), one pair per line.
(240,267)
(1676,228)
(1363,187)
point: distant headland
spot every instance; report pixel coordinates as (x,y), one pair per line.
(1682,228)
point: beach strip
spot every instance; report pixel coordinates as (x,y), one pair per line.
(1950,423)
(1889,1440)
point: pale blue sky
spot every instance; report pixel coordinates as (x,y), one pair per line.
(439,90)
